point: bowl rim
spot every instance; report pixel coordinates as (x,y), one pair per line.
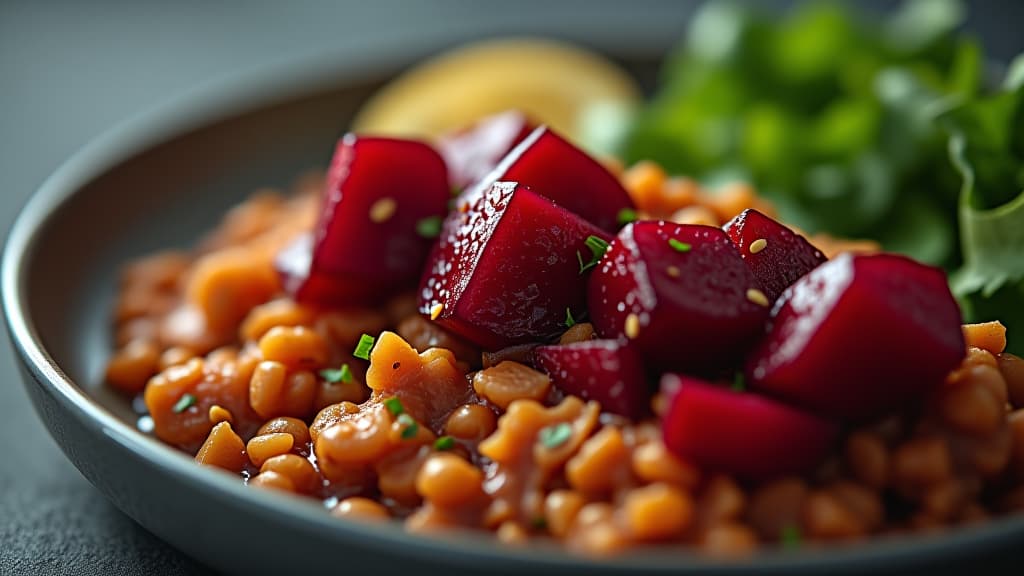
(254,90)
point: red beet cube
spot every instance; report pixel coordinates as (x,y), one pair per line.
(775,254)
(471,153)
(506,268)
(740,432)
(681,293)
(860,335)
(367,245)
(607,371)
(552,167)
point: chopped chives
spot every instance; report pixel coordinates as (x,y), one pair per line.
(679,246)
(184,403)
(555,435)
(597,246)
(626,215)
(429,227)
(394,405)
(739,382)
(444,443)
(569,320)
(366,343)
(332,375)
(411,427)
(790,536)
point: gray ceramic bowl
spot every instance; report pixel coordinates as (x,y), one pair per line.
(158,182)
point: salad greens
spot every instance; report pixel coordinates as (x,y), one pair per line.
(860,127)
(830,114)
(987,148)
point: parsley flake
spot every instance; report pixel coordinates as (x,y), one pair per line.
(538,523)
(366,343)
(429,227)
(626,216)
(679,246)
(343,374)
(598,246)
(444,443)
(554,436)
(411,427)
(739,382)
(569,320)
(790,537)
(394,405)
(184,403)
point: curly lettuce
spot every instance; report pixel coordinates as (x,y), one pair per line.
(986,147)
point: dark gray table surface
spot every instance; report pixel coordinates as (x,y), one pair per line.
(69,70)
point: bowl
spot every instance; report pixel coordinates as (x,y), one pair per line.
(159,181)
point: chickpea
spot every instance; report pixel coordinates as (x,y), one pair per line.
(131,367)
(299,470)
(449,481)
(509,381)
(272,480)
(657,511)
(471,422)
(297,428)
(652,462)
(360,509)
(262,448)
(1012,369)
(560,510)
(868,458)
(294,346)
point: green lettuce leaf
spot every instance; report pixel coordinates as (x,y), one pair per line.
(987,148)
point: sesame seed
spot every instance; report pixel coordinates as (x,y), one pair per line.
(632,326)
(382,210)
(673,271)
(219,414)
(758,245)
(436,310)
(757,297)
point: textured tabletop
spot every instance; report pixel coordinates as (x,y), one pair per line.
(69,70)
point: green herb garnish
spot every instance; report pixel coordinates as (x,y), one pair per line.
(444,443)
(538,523)
(411,427)
(332,375)
(626,215)
(569,320)
(429,227)
(184,403)
(739,382)
(394,405)
(366,343)
(679,246)
(790,537)
(597,249)
(554,436)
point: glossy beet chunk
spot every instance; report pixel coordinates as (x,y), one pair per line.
(472,153)
(506,269)
(368,243)
(607,371)
(860,335)
(739,432)
(775,254)
(552,167)
(681,293)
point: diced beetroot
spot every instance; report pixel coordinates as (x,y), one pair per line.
(505,269)
(366,246)
(607,371)
(739,432)
(471,153)
(775,254)
(860,335)
(680,292)
(552,167)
